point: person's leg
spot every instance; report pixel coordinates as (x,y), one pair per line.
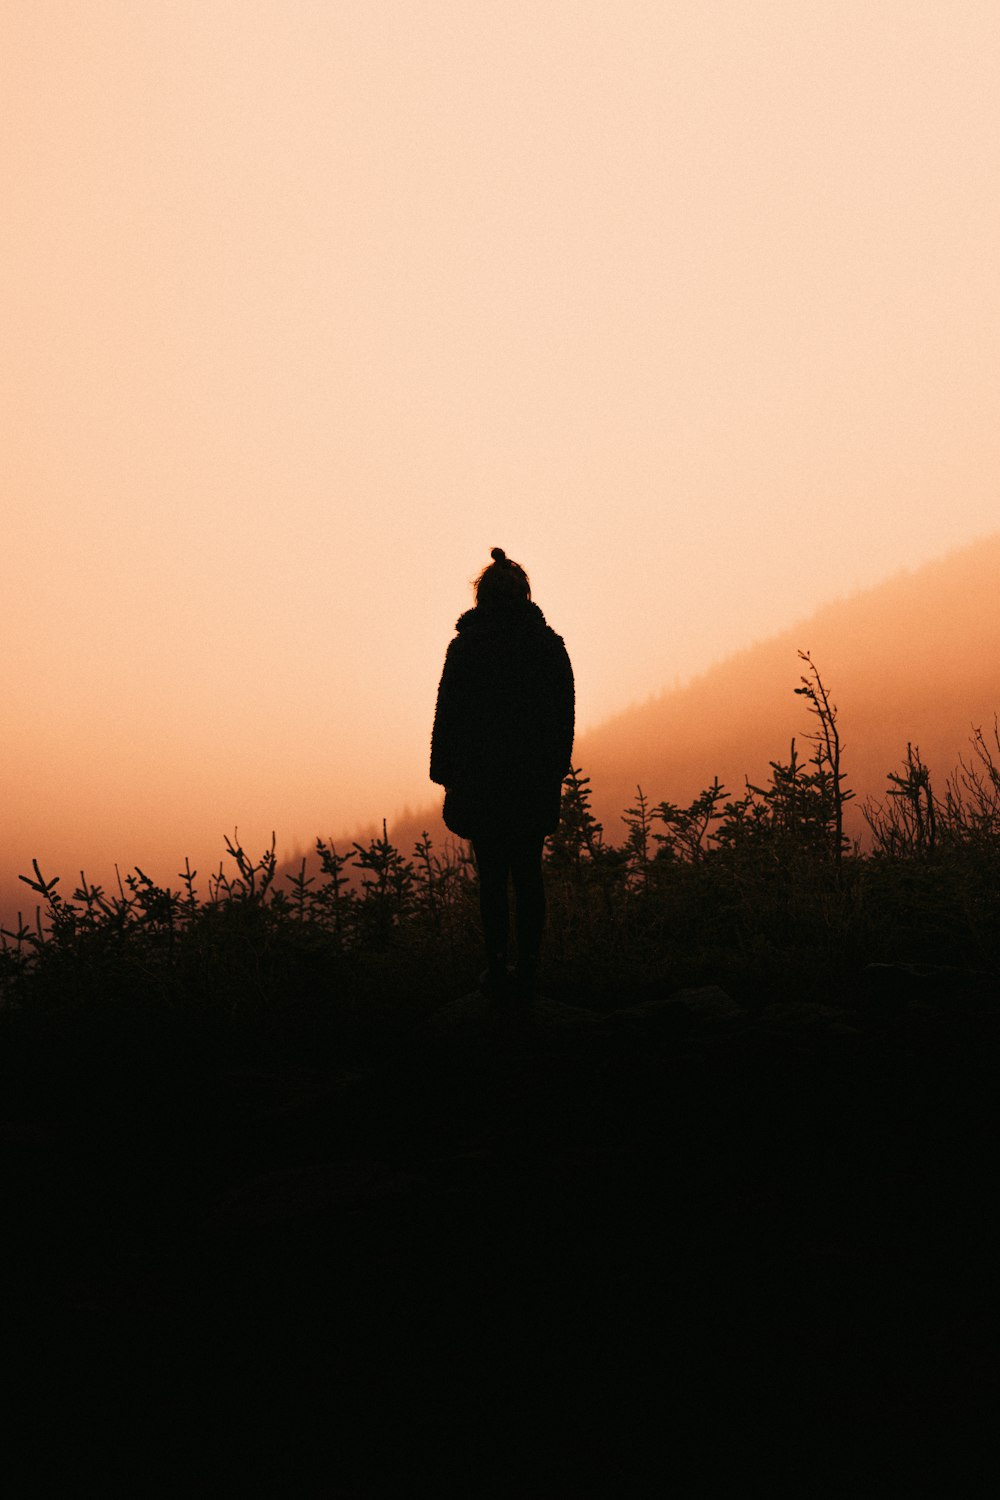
(529,905)
(493,865)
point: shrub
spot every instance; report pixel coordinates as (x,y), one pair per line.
(759,891)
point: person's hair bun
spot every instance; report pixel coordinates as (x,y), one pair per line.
(501,583)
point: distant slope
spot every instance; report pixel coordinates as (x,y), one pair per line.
(915,658)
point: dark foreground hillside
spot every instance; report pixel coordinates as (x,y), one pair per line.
(690,1242)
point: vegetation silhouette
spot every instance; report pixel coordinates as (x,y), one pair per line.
(915,657)
(759,891)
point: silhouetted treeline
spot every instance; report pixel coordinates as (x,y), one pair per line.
(760,891)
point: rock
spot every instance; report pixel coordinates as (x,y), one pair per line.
(664,1018)
(901,983)
(709,1002)
(675,1015)
(807,1015)
(474,1009)
(478,1012)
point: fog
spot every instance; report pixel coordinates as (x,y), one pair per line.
(692,309)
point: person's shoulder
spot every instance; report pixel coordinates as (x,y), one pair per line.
(464,638)
(464,627)
(537,621)
(549,634)
(550,650)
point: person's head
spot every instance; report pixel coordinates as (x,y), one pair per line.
(502,582)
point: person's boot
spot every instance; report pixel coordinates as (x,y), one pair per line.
(493,980)
(526,978)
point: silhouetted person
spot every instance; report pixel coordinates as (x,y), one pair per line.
(502,741)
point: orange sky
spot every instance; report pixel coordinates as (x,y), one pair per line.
(692,308)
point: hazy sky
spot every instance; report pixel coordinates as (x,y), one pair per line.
(693,308)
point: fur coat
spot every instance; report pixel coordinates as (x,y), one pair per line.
(503,728)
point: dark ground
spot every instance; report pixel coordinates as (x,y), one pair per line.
(681,1246)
